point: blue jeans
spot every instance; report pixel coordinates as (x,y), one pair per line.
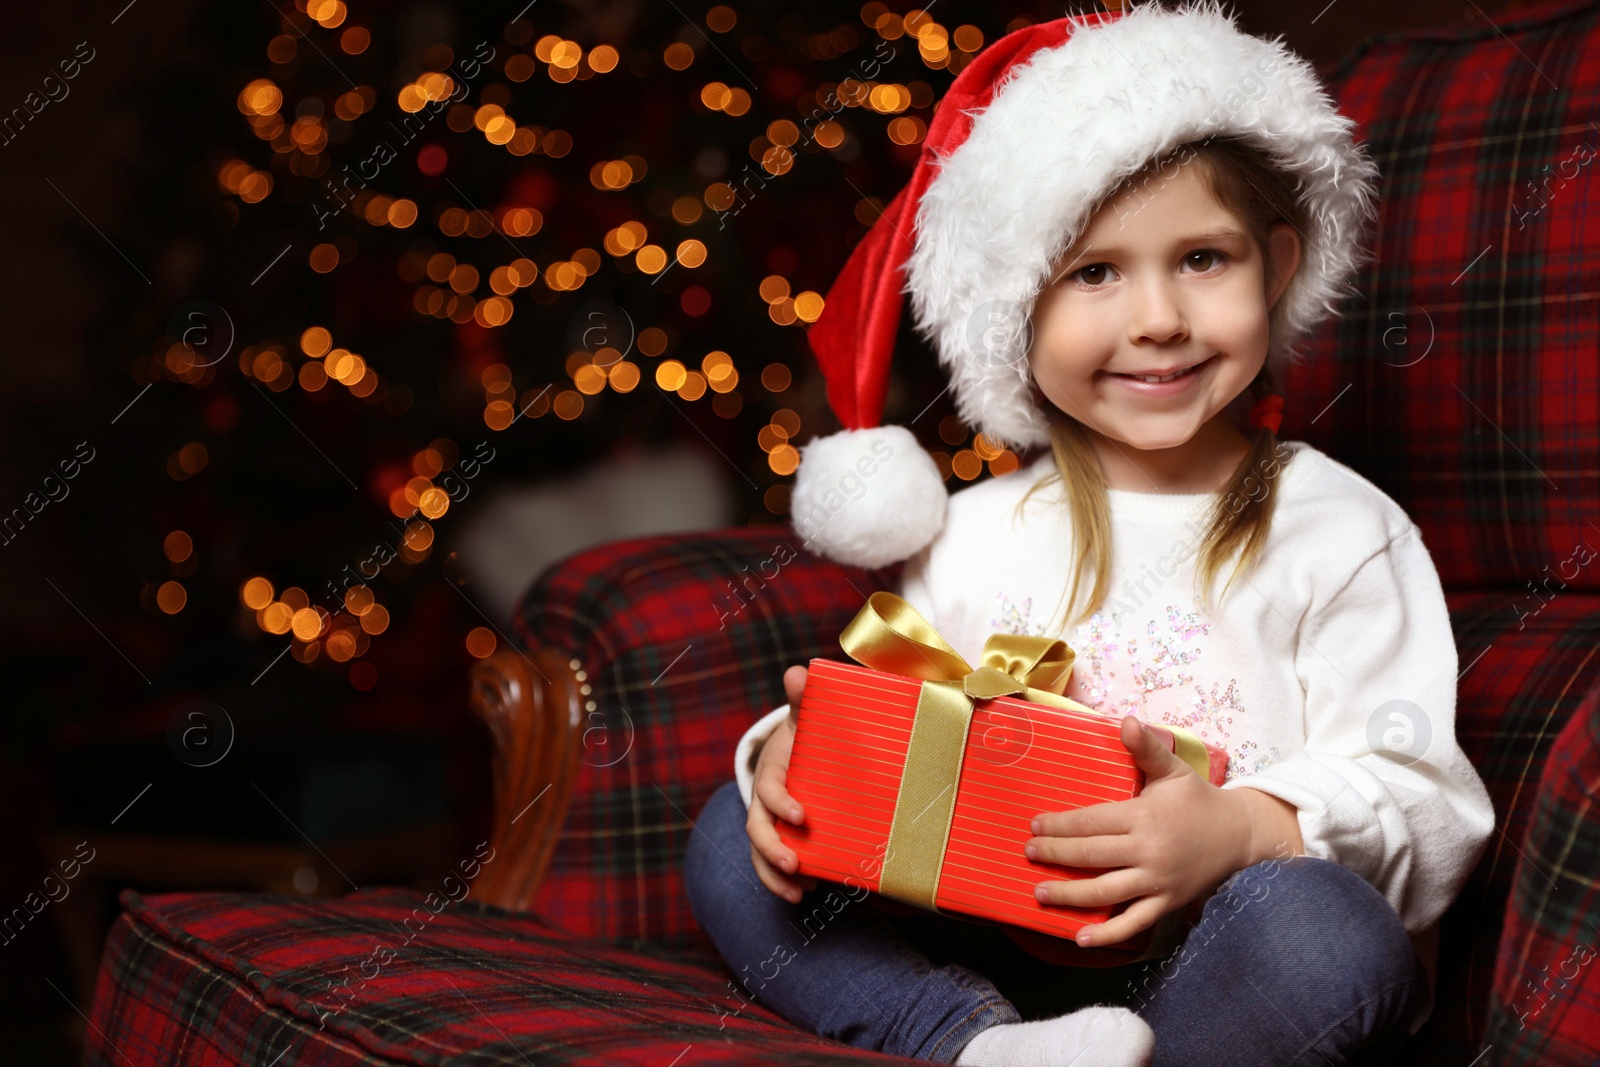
(1292,962)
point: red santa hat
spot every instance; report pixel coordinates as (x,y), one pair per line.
(1030,137)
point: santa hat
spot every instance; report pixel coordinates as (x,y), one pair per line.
(1031,135)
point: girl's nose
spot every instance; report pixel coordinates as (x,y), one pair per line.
(1156,315)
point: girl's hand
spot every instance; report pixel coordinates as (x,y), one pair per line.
(1178,840)
(774,861)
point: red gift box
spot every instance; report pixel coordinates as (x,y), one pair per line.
(1020,758)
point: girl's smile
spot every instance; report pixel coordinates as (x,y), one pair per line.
(1163,383)
(1156,321)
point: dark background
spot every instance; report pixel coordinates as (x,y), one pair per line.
(142,299)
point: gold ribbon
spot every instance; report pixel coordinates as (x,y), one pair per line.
(889,635)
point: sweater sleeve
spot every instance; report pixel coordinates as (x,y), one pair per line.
(1382,786)
(914,588)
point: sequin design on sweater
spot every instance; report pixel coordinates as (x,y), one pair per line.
(1104,648)
(1163,662)
(1009,618)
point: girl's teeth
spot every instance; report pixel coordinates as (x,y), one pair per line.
(1153,379)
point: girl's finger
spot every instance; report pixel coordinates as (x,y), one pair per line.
(1113,887)
(776,882)
(1139,916)
(778,800)
(1090,852)
(1094,820)
(785,806)
(794,684)
(764,838)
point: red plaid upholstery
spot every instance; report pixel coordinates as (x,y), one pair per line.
(1511,703)
(1465,382)
(653,622)
(215,979)
(1546,1006)
(1490,437)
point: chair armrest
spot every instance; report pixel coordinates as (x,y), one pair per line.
(533,707)
(1550,926)
(656,654)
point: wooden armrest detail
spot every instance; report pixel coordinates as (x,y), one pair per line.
(533,706)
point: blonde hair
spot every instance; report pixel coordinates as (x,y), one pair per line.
(1245,181)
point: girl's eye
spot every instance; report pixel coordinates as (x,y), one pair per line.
(1096,274)
(1093,274)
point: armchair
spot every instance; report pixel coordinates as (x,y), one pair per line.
(1462,382)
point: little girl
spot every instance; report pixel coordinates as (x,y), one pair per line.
(1119,226)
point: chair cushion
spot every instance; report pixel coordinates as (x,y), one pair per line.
(1546,1007)
(685,639)
(1464,379)
(378,978)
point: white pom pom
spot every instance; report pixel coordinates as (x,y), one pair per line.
(867,497)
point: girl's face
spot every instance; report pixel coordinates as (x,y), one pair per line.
(1164,279)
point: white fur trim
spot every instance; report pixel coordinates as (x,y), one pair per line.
(867,497)
(1069,125)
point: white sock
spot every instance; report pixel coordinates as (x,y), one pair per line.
(1089,1037)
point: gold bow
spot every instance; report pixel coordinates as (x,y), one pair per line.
(889,635)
